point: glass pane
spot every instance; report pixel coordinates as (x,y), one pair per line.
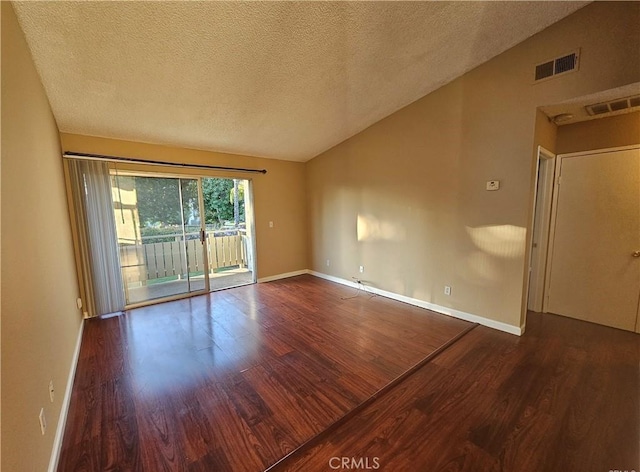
(153,243)
(194,249)
(229,243)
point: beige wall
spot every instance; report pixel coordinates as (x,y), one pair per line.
(0,261)
(545,133)
(406,197)
(279,195)
(40,321)
(613,131)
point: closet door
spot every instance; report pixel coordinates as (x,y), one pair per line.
(595,259)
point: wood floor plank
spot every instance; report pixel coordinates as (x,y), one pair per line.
(120,433)
(233,439)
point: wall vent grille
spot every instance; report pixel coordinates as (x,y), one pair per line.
(558,66)
(614,105)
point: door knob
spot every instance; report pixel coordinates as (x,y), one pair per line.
(636,254)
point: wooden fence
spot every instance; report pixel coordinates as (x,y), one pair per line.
(156,260)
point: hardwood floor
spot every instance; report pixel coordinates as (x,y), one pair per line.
(288,376)
(237,379)
(563,397)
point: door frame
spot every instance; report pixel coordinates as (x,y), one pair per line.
(250,221)
(542,198)
(554,210)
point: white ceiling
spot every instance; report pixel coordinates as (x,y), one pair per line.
(284,80)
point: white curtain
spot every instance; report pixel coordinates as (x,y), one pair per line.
(98,243)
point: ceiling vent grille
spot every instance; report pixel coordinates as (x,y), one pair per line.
(614,105)
(558,66)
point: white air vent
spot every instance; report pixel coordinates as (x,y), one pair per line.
(558,66)
(614,105)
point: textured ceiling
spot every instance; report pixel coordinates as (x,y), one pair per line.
(284,80)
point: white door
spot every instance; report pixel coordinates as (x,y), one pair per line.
(594,270)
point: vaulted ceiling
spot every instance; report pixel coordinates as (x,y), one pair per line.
(284,80)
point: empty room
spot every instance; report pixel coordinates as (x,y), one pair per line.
(316,236)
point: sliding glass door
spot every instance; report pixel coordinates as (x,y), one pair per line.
(161,236)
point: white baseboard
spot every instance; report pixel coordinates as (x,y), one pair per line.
(271,278)
(64,409)
(517,330)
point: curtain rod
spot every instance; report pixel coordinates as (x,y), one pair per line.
(100,157)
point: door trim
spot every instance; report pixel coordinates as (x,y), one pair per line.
(630,147)
(547,193)
(250,221)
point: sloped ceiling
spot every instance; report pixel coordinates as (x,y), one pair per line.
(284,80)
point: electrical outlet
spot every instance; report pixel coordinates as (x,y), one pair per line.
(51,391)
(270,224)
(328,262)
(447,290)
(362,269)
(43,421)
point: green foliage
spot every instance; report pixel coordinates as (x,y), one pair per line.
(159,201)
(148,233)
(218,200)
(240,195)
